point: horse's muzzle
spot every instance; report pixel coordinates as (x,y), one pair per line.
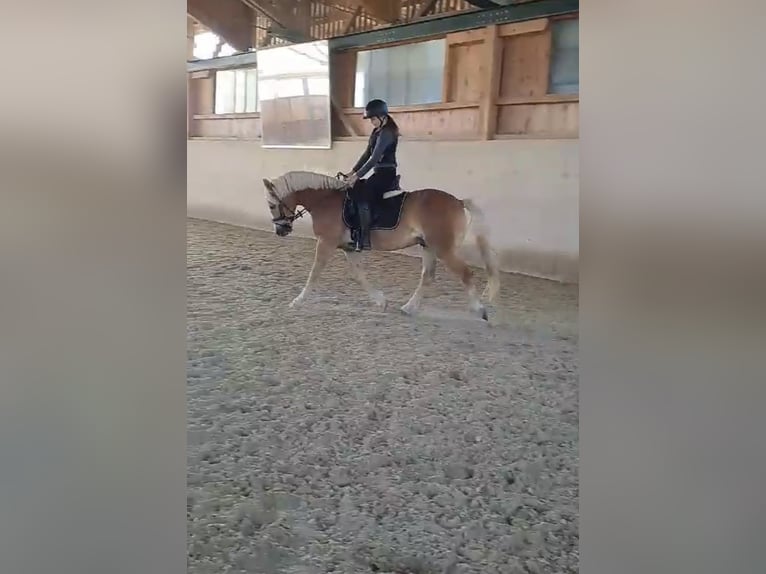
(282,230)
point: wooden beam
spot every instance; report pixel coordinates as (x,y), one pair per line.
(383,10)
(491,89)
(218,47)
(449,68)
(248,59)
(422,108)
(293,18)
(201,75)
(546,99)
(342,117)
(466,37)
(265,41)
(527,27)
(427,8)
(352,21)
(229,19)
(386,10)
(446,23)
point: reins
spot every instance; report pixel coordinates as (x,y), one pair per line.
(289,218)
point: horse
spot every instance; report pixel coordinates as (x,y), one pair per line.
(431,218)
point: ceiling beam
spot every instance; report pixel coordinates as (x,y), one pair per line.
(424,28)
(483,4)
(351,22)
(290,20)
(456,22)
(383,10)
(229,19)
(427,8)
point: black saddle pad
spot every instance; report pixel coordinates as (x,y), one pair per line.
(385,213)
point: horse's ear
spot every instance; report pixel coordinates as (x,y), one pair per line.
(269,185)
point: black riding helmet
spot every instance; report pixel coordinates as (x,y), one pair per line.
(375,108)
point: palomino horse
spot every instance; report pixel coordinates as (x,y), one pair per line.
(431,218)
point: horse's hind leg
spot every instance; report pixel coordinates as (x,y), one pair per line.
(357,272)
(426,276)
(324,251)
(464,273)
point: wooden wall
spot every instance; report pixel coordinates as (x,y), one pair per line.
(495,86)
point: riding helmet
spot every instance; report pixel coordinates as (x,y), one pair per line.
(375,108)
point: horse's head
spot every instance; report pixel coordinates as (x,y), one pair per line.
(283,211)
(304,188)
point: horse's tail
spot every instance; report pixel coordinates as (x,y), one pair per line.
(478,224)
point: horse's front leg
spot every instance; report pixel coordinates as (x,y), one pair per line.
(426,277)
(357,272)
(324,251)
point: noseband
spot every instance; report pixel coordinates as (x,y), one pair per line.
(284,220)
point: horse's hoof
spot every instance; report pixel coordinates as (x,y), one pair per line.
(484,315)
(409,311)
(379,300)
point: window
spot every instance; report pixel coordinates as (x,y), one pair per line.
(402,75)
(236,91)
(207,45)
(565,57)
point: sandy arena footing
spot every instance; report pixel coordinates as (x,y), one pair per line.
(337,437)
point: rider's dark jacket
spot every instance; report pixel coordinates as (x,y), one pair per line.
(380,152)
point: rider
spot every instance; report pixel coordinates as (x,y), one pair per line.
(380,156)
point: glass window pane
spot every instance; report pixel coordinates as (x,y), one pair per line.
(362,79)
(565,58)
(224,92)
(240,86)
(426,72)
(403,75)
(251,91)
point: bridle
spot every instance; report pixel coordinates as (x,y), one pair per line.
(285,220)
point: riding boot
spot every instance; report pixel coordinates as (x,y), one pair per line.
(363,237)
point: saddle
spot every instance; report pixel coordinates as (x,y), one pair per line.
(394,191)
(384,214)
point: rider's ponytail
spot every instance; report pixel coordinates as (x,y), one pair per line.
(391,125)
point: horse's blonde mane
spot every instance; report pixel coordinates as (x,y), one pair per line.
(294,181)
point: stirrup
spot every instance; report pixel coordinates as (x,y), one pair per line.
(359,245)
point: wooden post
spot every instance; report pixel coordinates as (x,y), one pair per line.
(447,75)
(342,117)
(494,57)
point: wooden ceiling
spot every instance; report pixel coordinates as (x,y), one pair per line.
(246,24)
